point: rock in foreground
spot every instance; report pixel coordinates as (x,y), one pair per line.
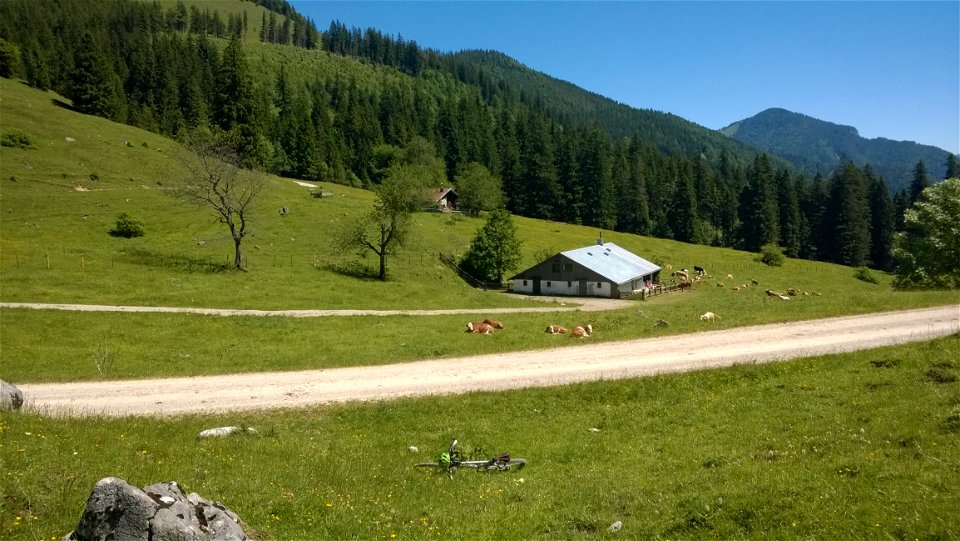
(160,512)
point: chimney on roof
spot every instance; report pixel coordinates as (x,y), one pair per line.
(600,240)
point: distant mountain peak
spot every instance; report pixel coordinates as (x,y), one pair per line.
(819,146)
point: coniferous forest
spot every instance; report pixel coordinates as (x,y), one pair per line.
(335,105)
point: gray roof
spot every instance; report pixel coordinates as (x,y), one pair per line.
(612,262)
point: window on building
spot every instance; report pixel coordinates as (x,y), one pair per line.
(569,284)
(599,284)
(568,267)
(548,284)
(556,267)
(524,282)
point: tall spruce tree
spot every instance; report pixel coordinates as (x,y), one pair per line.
(920,182)
(684,218)
(790,217)
(759,214)
(235,109)
(94,87)
(848,217)
(953,167)
(882,221)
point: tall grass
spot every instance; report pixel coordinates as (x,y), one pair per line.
(847,446)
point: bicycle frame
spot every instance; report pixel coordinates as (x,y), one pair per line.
(498,463)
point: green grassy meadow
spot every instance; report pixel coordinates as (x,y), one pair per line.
(854,446)
(851,446)
(59,200)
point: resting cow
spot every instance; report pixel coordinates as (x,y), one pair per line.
(581,332)
(494,323)
(709,316)
(479,327)
(556,329)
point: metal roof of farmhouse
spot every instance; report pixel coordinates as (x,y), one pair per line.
(612,262)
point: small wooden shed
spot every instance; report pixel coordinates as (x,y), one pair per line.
(444,199)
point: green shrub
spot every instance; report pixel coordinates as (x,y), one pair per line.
(127,227)
(16,139)
(771,255)
(952,422)
(865,275)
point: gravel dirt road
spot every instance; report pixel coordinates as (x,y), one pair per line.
(588,362)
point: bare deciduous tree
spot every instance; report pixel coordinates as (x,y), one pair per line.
(216,181)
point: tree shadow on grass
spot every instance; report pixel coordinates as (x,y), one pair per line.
(353,269)
(149,258)
(64,105)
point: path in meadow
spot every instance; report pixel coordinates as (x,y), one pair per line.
(558,305)
(589,362)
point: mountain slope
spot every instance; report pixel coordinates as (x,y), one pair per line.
(819,146)
(572,105)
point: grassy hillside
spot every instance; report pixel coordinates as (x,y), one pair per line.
(59,200)
(838,447)
(858,446)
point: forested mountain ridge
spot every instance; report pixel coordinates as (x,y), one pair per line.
(342,105)
(572,105)
(818,146)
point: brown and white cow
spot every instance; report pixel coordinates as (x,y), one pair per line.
(581,332)
(479,327)
(494,323)
(556,329)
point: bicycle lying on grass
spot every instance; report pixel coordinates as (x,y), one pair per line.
(452,459)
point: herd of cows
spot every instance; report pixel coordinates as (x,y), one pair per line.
(487,326)
(683,276)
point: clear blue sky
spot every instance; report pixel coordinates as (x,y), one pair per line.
(890,69)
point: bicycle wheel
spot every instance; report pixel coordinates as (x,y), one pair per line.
(494,465)
(517,463)
(428,465)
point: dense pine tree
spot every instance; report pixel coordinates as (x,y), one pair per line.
(94,87)
(921,180)
(791,226)
(882,221)
(759,213)
(953,167)
(848,217)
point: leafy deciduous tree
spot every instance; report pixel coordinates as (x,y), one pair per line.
(478,190)
(927,253)
(385,228)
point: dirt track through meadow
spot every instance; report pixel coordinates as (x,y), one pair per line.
(588,362)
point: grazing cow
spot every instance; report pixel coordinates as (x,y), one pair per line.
(556,329)
(729,277)
(720,284)
(755,282)
(479,327)
(781,296)
(681,275)
(494,323)
(581,332)
(708,316)
(699,270)
(685,284)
